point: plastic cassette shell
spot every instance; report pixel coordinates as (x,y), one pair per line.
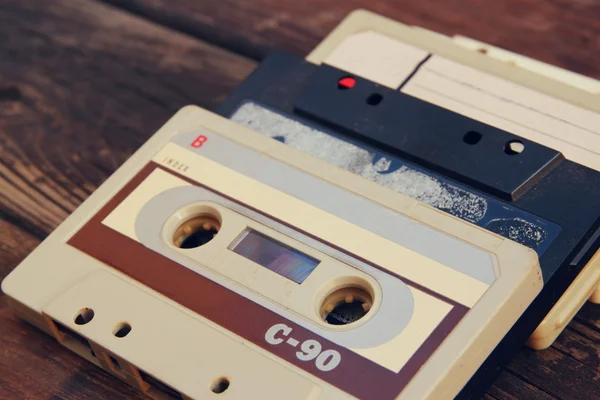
(281,80)
(555,82)
(56,280)
(581,82)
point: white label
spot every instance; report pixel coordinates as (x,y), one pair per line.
(376,57)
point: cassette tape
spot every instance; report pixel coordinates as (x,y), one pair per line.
(538,101)
(219,261)
(459,130)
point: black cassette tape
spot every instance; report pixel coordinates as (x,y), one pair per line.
(492,178)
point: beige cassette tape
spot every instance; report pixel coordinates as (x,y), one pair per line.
(217,261)
(551,106)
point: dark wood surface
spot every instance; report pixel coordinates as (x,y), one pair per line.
(84,83)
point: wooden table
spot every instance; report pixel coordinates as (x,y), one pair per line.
(83,83)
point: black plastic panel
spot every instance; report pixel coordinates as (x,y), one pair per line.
(423,132)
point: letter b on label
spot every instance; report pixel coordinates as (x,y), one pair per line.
(199,141)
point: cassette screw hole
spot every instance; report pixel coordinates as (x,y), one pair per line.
(345,306)
(374,99)
(84,316)
(122,329)
(514,147)
(196,232)
(219,385)
(472,137)
(346,83)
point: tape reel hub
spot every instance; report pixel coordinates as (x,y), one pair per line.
(346,305)
(197,231)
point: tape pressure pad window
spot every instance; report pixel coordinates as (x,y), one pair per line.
(274,255)
(303,280)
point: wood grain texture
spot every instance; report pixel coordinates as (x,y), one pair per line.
(561,32)
(83,84)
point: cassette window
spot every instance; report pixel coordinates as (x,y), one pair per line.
(274,255)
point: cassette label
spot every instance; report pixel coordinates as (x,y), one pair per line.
(412,319)
(231,255)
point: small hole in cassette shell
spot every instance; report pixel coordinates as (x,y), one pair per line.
(514,147)
(219,385)
(346,305)
(374,99)
(122,329)
(84,316)
(472,137)
(115,363)
(196,232)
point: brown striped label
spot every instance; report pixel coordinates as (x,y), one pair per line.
(353,373)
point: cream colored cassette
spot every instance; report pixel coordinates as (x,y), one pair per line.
(537,101)
(219,262)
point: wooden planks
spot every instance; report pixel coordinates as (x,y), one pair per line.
(83,84)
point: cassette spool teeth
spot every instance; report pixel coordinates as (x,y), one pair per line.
(346,305)
(196,232)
